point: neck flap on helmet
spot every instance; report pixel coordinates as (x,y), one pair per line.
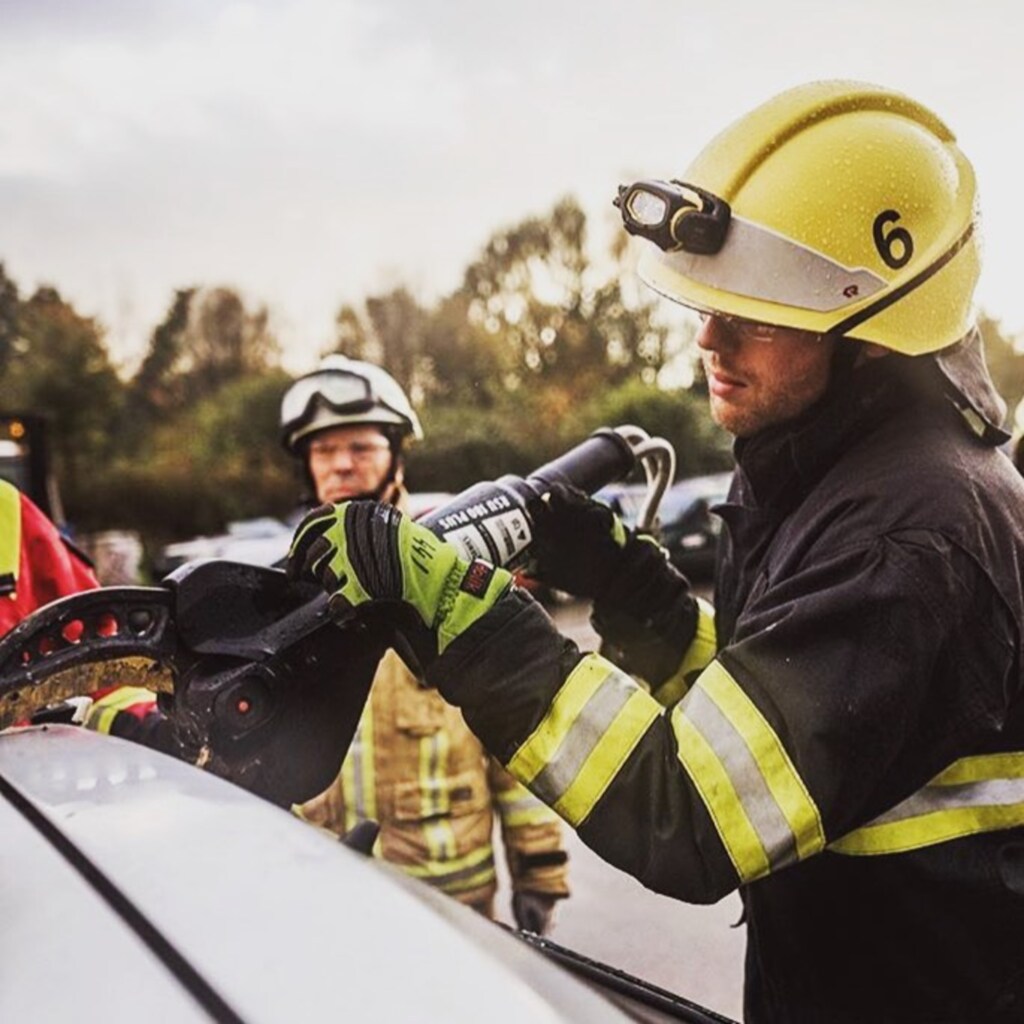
(969,387)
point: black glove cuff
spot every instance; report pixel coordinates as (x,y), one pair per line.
(647,617)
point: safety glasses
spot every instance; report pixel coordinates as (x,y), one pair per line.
(742,329)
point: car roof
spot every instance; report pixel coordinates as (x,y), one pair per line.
(143,882)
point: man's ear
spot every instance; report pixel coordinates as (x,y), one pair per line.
(869,350)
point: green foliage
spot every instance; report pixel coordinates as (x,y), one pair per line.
(207,340)
(59,365)
(465,444)
(532,312)
(534,289)
(215,461)
(9,304)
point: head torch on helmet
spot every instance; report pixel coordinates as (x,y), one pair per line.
(674,215)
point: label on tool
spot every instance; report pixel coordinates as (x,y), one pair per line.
(496,538)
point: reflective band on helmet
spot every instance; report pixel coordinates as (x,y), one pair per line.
(975,794)
(595,721)
(10,536)
(761,808)
(698,655)
(762,264)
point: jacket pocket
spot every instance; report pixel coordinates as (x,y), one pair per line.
(419,711)
(452,796)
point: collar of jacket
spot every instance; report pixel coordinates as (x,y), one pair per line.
(781,463)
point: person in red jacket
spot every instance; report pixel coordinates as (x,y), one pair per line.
(37,565)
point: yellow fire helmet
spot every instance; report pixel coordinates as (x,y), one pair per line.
(836,207)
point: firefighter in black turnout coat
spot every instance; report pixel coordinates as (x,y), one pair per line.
(842,736)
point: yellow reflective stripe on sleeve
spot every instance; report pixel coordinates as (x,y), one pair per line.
(984,793)
(764,813)
(594,723)
(10,535)
(698,656)
(106,709)
(712,782)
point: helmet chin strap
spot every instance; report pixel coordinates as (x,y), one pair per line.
(391,485)
(846,357)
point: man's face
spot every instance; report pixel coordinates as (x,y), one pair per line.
(759,376)
(346,462)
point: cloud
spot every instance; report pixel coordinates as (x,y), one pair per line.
(263,76)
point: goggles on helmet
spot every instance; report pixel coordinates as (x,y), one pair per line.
(702,239)
(340,391)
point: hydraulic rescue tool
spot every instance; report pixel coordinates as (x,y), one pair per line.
(260,685)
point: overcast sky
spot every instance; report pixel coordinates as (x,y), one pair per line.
(310,152)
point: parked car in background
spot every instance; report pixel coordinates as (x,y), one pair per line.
(262,541)
(688,528)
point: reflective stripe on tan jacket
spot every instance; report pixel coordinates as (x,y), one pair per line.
(415,768)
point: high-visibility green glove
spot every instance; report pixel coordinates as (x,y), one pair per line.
(363,552)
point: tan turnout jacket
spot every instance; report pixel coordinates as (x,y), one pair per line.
(415,768)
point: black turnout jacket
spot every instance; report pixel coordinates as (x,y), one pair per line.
(849,748)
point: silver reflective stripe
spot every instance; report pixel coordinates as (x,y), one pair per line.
(762,264)
(355,756)
(758,804)
(432,781)
(519,804)
(584,734)
(933,799)
(976,794)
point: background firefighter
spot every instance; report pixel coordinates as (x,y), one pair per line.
(413,765)
(37,565)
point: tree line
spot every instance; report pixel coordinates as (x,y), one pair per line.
(538,345)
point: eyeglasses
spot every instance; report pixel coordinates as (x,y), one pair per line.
(357,451)
(742,329)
